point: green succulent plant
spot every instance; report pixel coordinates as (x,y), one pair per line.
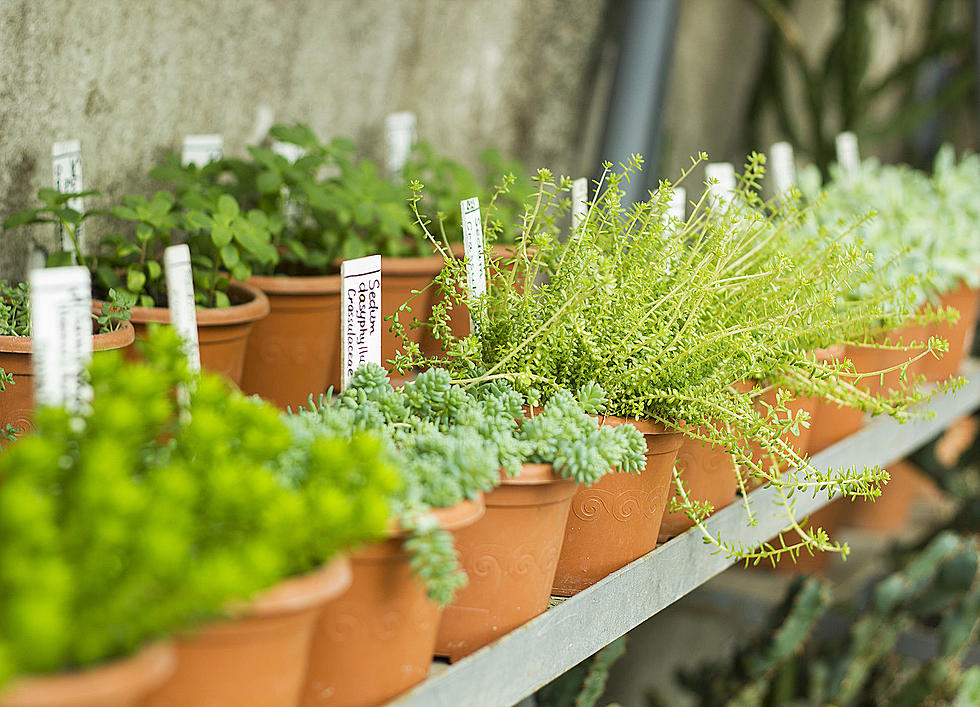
(151,512)
(669,316)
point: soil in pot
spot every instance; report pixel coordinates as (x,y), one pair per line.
(709,474)
(259,659)
(377,640)
(617,519)
(222,333)
(295,351)
(17,401)
(959,335)
(121,683)
(510,556)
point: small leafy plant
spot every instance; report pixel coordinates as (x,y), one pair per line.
(452,443)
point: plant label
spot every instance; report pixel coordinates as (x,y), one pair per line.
(677,208)
(180,299)
(783,167)
(360,314)
(201,150)
(721,183)
(476,266)
(66,167)
(61,327)
(580,202)
(848,157)
(400,138)
(287,150)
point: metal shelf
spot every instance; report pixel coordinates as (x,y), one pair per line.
(529,657)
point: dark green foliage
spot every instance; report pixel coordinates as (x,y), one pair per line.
(940,586)
(583,685)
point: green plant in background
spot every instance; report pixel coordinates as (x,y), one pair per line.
(667,317)
(151,515)
(938,588)
(15,313)
(453,443)
(55,210)
(921,224)
(840,91)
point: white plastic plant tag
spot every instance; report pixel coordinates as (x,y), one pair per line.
(61,327)
(721,183)
(66,167)
(201,150)
(360,314)
(288,150)
(848,157)
(476,266)
(399,140)
(783,167)
(677,208)
(180,300)
(580,202)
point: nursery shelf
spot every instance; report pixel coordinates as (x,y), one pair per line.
(519,663)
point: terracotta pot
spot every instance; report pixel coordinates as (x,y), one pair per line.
(709,474)
(260,658)
(959,335)
(222,333)
(617,519)
(295,351)
(17,401)
(888,513)
(121,683)
(510,556)
(830,422)
(377,640)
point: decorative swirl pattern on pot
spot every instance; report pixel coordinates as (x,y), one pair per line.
(592,504)
(492,563)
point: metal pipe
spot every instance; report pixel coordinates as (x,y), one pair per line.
(636,106)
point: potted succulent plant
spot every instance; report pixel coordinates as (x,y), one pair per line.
(668,317)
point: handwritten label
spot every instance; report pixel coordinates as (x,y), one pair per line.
(180,300)
(721,183)
(677,208)
(399,140)
(66,163)
(783,167)
(201,150)
(61,327)
(848,157)
(287,150)
(360,314)
(476,266)
(580,202)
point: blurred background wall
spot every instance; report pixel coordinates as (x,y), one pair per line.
(130,79)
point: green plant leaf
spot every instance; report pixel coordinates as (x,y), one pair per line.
(135,279)
(229,255)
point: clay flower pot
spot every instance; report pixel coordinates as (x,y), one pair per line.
(959,335)
(800,442)
(830,422)
(222,332)
(295,350)
(510,556)
(617,519)
(121,683)
(377,640)
(709,474)
(17,401)
(258,659)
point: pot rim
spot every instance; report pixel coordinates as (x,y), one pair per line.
(534,474)
(464,513)
(120,338)
(150,665)
(256,307)
(295,594)
(297,284)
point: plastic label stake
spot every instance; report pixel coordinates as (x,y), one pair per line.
(66,166)
(400,138)
(61,327)
(783,167)
(677,208)
(180,299)
(290,151)
(580,202)
(360,314)
(476,265)
(201,150)
(721,183)
(848,157)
